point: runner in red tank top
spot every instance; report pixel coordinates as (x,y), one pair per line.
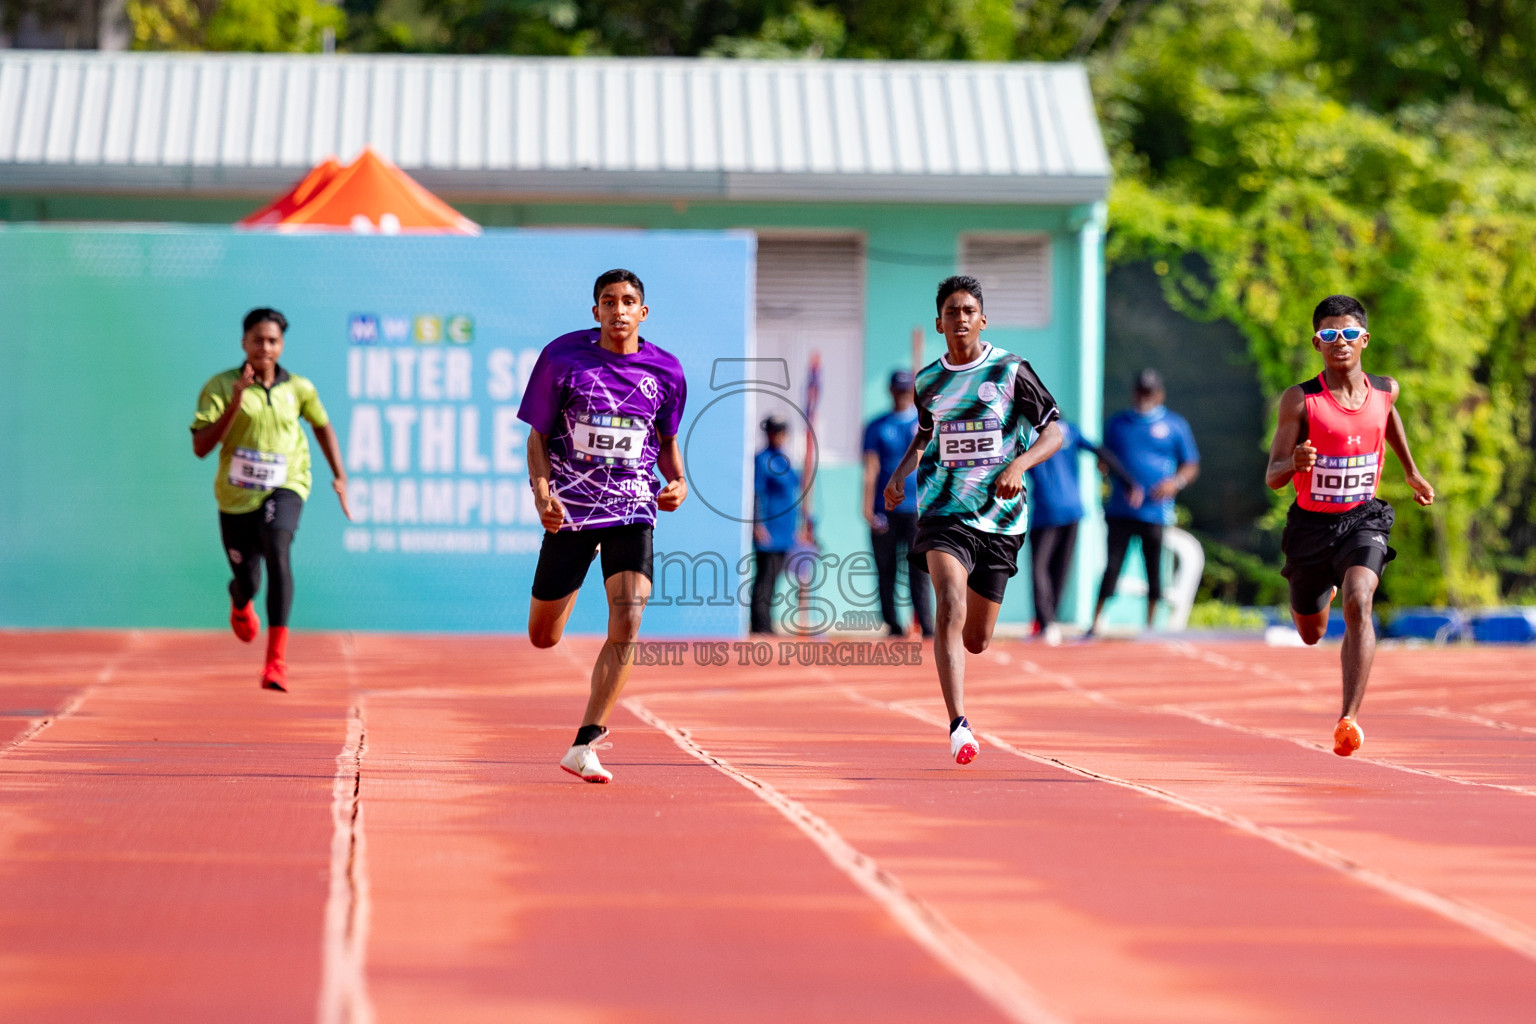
(1329,443)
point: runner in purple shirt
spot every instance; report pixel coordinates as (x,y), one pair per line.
(603,407)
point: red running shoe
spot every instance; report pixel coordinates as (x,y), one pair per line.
(275,675)
(1347,737)
(244,621)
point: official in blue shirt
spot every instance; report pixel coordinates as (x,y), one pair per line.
(891,533)
(1158,450)
(775,514)
(1055,509)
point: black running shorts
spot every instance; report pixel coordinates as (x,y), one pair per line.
(990,559)
(1320,547)
(565,557)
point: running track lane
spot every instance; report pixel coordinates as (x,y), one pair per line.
(404,848)
(1112,904)
(161,853)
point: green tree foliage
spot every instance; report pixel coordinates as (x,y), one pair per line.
(1395,53)
(1232,143)
(272,26)
(890,29)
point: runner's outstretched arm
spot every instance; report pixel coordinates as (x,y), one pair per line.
(897,488)
(206,439)
(551,511)
(669,459)
(1287,455)
(331,447)
(1011,480)
(1397,437)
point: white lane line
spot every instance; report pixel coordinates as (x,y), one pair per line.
(992,979)
(344,945)
(1509,933)
(1462,716)
(69,707)
(1099,697)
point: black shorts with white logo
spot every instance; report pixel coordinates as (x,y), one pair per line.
(1320,547)
(564,557)
(990,559)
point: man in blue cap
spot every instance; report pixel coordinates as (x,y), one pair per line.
(1158,449)
(1055,509)
(775,514)
(891,532)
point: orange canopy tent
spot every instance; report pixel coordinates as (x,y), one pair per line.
(369,195)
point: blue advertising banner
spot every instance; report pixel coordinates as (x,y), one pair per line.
(420,348)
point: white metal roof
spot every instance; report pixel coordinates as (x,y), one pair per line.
(523,127)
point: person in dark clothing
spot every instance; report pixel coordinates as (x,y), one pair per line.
(775,514)
(1054,512)
(891,532)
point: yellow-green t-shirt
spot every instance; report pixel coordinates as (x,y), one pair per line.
(265,448)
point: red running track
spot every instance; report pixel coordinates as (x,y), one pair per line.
(1153,832)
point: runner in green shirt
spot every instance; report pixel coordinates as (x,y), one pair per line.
(251,414)
(976,405)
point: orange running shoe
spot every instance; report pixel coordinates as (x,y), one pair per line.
(1347,736)
(244,621)
(275,675)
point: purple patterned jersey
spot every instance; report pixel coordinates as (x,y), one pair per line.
(603,414)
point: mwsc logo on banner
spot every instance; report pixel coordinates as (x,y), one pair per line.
(423,329)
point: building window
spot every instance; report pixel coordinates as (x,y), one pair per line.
(1015,276)
(810,299)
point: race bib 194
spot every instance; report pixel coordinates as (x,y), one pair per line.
(966,443)
(1342,479)
(258,471)
(609,439)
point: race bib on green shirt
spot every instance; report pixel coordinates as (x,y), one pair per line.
(967,443)
(254,470)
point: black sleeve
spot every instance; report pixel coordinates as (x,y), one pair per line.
(924,420)
(1031,398)
(1114,465)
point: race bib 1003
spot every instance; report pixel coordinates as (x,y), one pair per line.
(1342,479)
(257,471)
(609,439)
(966,443)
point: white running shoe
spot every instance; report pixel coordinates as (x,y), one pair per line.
(1051,635)
(581,761)
(962,745)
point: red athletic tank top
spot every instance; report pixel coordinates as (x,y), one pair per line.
(1349,443)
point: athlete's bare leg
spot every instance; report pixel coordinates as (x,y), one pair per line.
(628,593)
(1359,649)
(964,622)
(980,620)
(949,632)
(1315,626)
(546,619)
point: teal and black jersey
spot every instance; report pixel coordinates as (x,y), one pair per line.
(980,415)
